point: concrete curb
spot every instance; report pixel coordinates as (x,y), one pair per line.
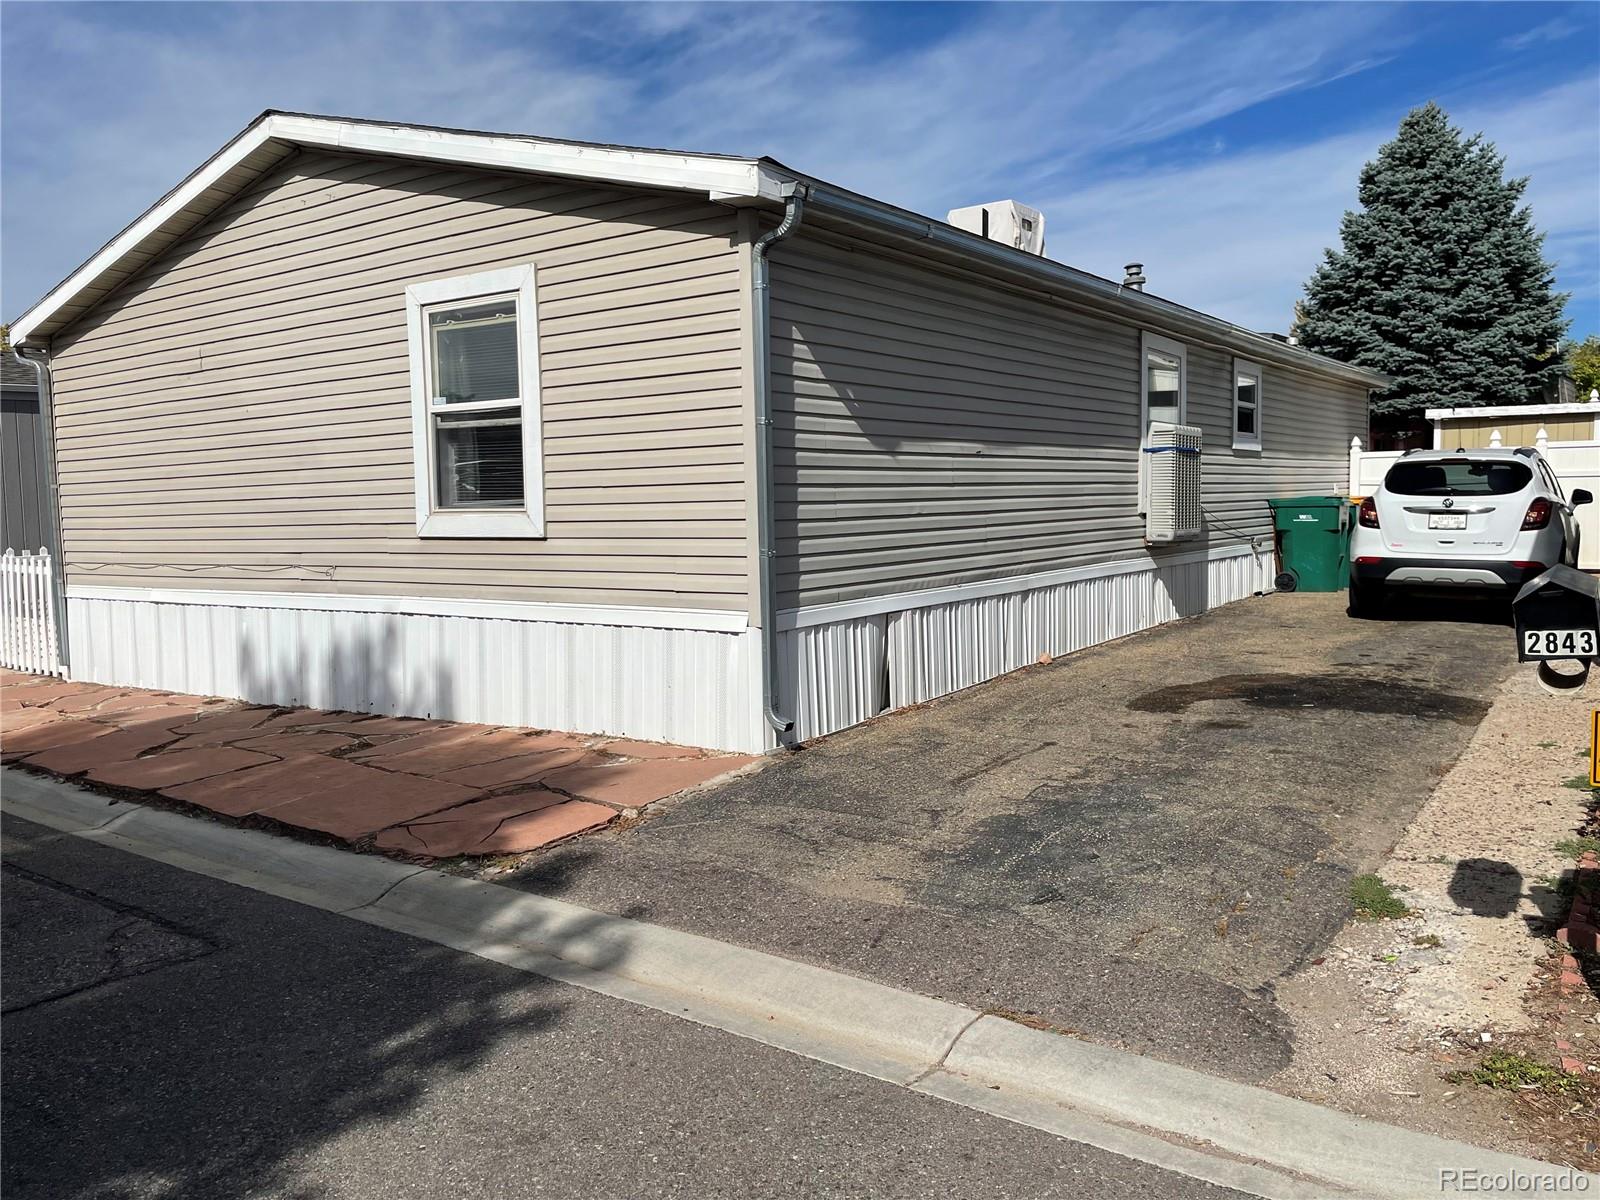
(1226,1133)
(318,876)
(850,1022)
(1249,1123)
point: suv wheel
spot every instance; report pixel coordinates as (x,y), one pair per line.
(1366,599)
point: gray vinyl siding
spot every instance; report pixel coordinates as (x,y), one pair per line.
(23,477)
(237,416)
(934,429)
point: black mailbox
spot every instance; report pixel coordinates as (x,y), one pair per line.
(1558,616)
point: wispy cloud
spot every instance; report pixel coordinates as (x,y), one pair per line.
(1239,234)
(107,106)
(1556,29)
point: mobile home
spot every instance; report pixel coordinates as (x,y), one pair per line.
(506,429)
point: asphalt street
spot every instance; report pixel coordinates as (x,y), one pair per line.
(168,1035)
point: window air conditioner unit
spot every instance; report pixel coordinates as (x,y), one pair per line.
(1173,509)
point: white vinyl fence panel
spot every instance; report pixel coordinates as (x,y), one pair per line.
(28,614)
(1577,465)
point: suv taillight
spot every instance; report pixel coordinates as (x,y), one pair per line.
(1538,514)
(1368,513)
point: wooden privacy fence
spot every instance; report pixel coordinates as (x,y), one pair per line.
(28,614)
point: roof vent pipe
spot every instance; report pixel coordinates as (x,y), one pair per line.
(1133,277)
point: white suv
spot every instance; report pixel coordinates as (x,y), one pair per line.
(1461,518)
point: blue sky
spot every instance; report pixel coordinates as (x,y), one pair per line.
(1216,143)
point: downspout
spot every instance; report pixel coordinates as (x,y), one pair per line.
(52,493)
(766,537)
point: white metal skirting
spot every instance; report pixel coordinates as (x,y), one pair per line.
(693,686)
(28,614)
(839,673)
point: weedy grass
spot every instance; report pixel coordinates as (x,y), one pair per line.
(1375,900)
(1517,1072)
(1577,847)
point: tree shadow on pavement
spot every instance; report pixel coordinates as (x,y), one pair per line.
(226,1074)
(1487,887)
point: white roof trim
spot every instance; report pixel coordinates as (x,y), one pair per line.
(1515,410)
(721,178)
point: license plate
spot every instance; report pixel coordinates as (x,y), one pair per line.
(1560,643)
(1447,520)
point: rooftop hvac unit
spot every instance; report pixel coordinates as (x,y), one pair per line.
(1173,510)
(1015,225)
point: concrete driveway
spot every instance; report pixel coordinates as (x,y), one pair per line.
(1136,842)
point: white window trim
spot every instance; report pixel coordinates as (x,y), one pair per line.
(1149,342)
(1243,366)
(528,521)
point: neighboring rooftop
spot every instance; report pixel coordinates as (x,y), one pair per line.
(16,375)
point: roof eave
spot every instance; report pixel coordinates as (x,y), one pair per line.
(1150,310)
(730,180)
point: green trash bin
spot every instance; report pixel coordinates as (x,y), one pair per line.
(1313,536)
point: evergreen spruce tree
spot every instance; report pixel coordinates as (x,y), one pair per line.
(1441,281)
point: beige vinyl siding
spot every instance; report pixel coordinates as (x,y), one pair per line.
(238,415)
(1307,423)
(932,429)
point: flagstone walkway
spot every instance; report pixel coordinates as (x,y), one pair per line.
(433,789)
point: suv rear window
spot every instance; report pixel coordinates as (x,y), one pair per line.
(1457,477)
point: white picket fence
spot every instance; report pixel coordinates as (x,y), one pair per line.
(28,614)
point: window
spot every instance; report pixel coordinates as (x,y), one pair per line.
(1163,391)
(1246,405)
(475,405)
(1163,394)
(1457,477)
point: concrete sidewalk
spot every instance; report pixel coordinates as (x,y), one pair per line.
(431,789)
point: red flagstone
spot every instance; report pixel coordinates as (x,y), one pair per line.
(635,784)
(157,771)
(332,795)
(123,702)
(165,715)
(219,726)
(298,719)
(457,830)
(369,805)
(59,731)
(84,703)
(55,689)
(108,746)
(16,720)
(290,743)
(522,768)
(376,727)
(631,749)
(260,788)
(496,826)
(548,825)
(419,784)
(451,749)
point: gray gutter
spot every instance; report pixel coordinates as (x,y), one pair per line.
(1034,270)
(52,493)
(766,551)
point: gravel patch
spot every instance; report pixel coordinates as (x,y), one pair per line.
(1394,1007)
